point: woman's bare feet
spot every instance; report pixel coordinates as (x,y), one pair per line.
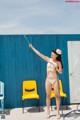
(48,114)
(58,116)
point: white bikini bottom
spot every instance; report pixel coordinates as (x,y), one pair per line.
(52,81)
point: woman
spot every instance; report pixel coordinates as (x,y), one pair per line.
(54,65)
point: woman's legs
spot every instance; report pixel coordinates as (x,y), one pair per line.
(48,93)
(57,96)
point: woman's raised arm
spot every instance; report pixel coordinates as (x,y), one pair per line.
(39,54)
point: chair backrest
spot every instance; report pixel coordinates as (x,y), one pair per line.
(60,87)
(29,87)
(1,88)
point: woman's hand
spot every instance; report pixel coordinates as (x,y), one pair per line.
(30,45)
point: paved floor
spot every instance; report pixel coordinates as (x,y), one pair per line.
(33,114)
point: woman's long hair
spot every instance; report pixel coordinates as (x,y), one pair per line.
(58,58)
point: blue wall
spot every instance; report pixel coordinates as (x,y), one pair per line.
(18,63)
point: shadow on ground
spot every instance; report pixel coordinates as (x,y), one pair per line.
(34,110)
(6,112)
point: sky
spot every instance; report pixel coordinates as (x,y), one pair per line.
(39,17)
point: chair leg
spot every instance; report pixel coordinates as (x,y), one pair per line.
(51,104)
(22,106)
(39,104)
(51,108)
(61,102)
(2,105)
(66,104)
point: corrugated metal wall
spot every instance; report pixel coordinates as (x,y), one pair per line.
(18,63)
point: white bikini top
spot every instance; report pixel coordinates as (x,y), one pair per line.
(51,64)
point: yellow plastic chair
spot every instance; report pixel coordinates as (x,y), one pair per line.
(29,89)
(62,94)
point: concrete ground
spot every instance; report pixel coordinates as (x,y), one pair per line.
(33,114)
